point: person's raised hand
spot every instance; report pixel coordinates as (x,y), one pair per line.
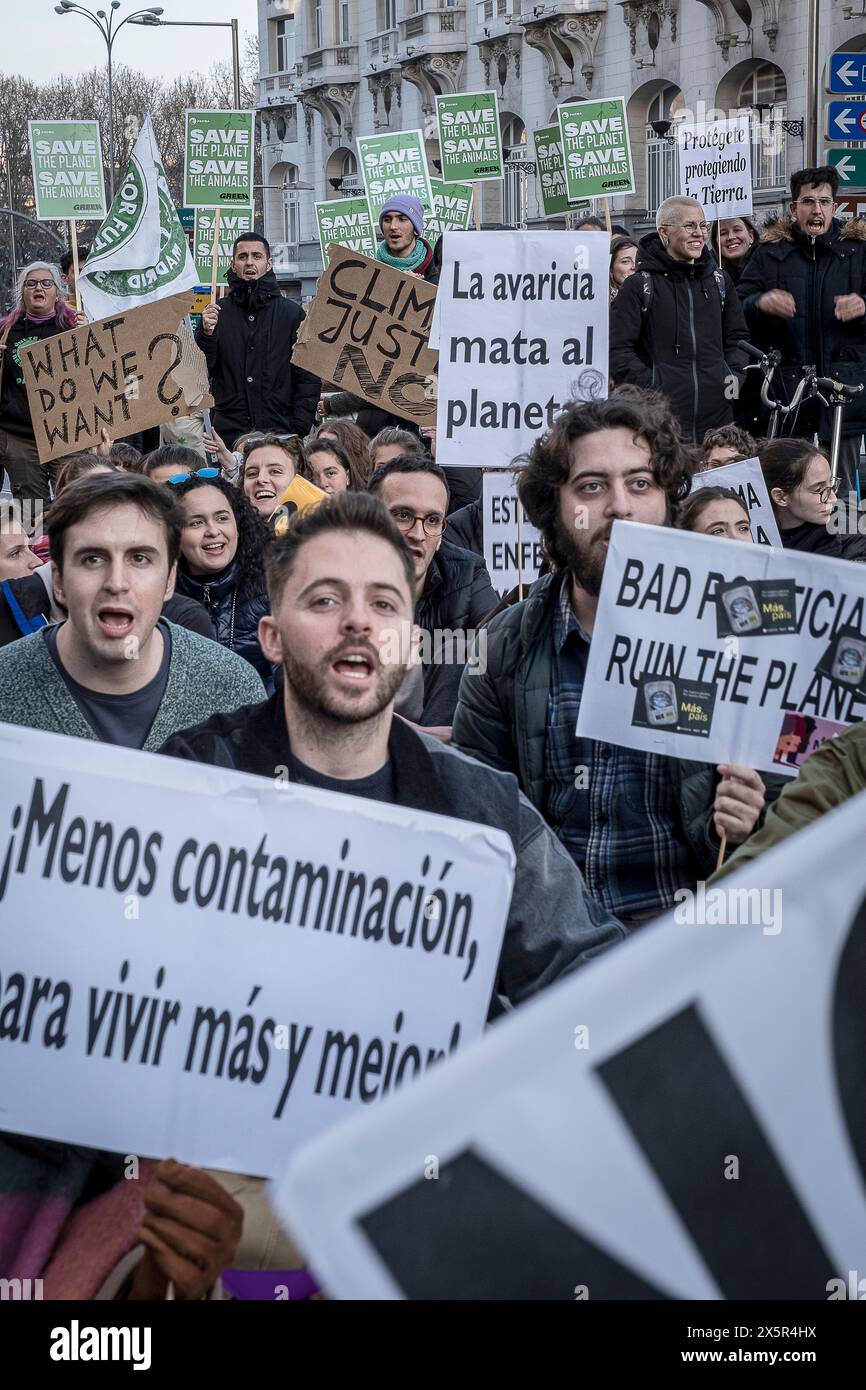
(210,318)
(779,303)
(192,1229)
(849,306)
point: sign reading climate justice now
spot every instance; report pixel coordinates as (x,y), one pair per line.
(232,224)
(67,169)
(512,554)
(595,148)
(551,170)
(701,1139)
(523,328)
(366,331)
(194,963)
(715,159)
(747,480)
(452,208)
(219,150)
(345,222)
(704,648)
(469,138)
(392,164)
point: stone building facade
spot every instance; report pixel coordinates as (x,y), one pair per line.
(335,69)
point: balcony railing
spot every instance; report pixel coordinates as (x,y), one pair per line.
(278,86)
(382,48)
(433,25)
(338,63)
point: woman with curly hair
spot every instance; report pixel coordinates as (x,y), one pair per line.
(354,441)
(221,564)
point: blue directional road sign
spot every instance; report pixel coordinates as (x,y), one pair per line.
(846,120)
(848,73)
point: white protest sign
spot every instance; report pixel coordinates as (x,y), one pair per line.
(747,480)
(703,648)
(523,328)
(715,159)
(199,963)
(512,555)
(682,1119)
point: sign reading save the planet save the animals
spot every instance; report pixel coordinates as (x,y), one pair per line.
(67,169)
(595,148)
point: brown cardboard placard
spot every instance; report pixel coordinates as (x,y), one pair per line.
(122,373)
(366,331)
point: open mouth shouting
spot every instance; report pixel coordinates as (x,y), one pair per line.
(115,620)
(356,665)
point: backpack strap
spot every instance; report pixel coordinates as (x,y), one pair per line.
(25,625)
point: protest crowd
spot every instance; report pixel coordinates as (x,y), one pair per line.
(296,582)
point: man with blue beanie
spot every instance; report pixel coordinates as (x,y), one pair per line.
(403,247)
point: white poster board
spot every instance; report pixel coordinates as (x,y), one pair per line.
(715,159)
(747,480)
(522,328)
(682,1119)
(235,963)
(512,554)
(722,651)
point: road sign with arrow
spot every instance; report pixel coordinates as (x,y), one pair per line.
(846,120)
(850,165)
(848,73)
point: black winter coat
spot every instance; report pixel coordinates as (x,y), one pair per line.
(248,356)
(817,540)
(466,528)
(685,343)
(814,270)
(457,596)
(235,621)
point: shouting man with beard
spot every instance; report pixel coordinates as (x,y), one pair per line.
(342,588)
(639,826)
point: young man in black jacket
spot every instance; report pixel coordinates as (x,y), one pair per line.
(675,324)
(341,583)
(247,340)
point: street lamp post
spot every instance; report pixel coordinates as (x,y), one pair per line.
(149,19)
(105,24)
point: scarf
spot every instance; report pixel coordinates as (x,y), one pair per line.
(417,255)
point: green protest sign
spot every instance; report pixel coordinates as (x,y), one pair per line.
(452,207)
(233,221)
(218,158)
(67,169)
(551,170)
(469,138)
(392,164)
(595,148)
(346,222)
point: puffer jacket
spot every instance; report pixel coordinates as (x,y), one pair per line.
(814,270)
(466,527)
(501,718)
(685,343)
(235,621)
(249,362)
(456,597)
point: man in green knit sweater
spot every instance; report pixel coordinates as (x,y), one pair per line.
(115,670)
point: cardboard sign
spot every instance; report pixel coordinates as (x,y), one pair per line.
(551,170)
(219,155)
(392,164)
(235,962)
(523,329)
(366,331)
(702,646)
(452,208)
(747,480)
(66,157)
(681,1120)
(232,224)
(346,222)
(122,374)
(715,159)
(512,554)
(469,137)
(595,148)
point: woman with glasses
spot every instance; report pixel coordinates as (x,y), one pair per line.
(221,562)
(39,312)
(797,474)
(330,467)
(270,462)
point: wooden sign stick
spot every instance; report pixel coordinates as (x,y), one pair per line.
(214,270)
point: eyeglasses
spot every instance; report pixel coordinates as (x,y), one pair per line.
(199,473)
(43,284)
(825,493)
(815,202)
(404,520)
(702,227)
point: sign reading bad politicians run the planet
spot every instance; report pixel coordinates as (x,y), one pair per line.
(469,138)
(218,159)
(67,169)
(703,648)
(595,148)
(392,164)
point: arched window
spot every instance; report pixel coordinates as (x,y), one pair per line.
(662,168)
(514,183)
(766,88)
